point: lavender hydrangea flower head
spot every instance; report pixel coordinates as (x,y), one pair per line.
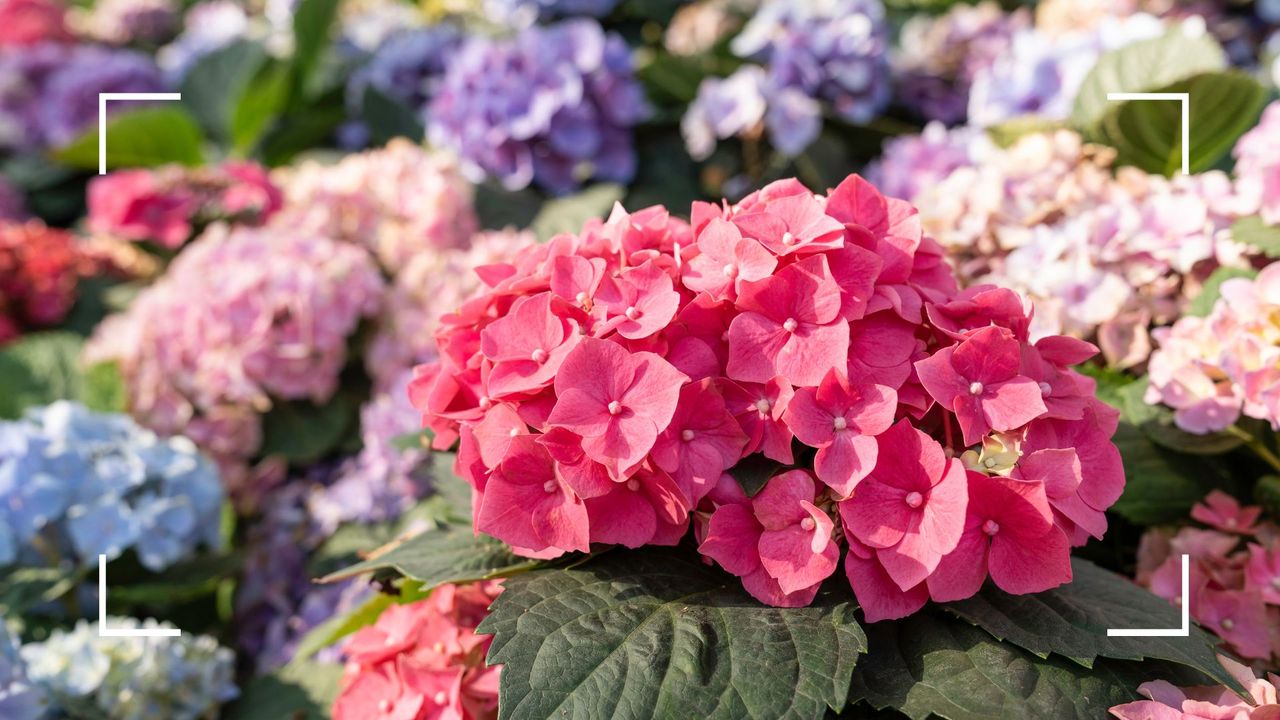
(87,483)
(49,92)
(406,67)
(912,163)
(938,57)
(724,108)
(141,678)
(20,699)
(829,53)
(69,100)
(552,105)
(1041,73)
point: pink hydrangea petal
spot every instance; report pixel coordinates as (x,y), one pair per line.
(623,517)
(764,588)
(788,556)
(1021,565)
(1012,404)
(961,572)
(843,464)
(880,597)
(732,539)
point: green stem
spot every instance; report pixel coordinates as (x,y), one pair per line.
(1257,446)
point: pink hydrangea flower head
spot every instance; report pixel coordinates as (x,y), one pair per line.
(397,201)
(789,326)
(1009,533)
(841,419)
(911,508)
(979,380)
(616,401)
(607,386)
(1167,702)
(137,205)
(423,660)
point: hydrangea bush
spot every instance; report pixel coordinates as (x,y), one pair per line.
(552,358)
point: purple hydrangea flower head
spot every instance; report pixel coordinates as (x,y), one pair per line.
(830,53)
(406,67)
(49,92)
(552,105)
(69,102)
(92,483)
(938,57)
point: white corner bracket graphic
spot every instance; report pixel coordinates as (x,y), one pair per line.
(1185,99)
(102,117)
(1185,630)
(103,630)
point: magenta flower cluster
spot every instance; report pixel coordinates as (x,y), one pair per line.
(607,385)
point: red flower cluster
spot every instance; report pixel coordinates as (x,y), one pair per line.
(39,269)
(167,206)
(607,384)
(423,660)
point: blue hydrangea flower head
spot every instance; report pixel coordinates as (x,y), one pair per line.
(80,484)
(140,678)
